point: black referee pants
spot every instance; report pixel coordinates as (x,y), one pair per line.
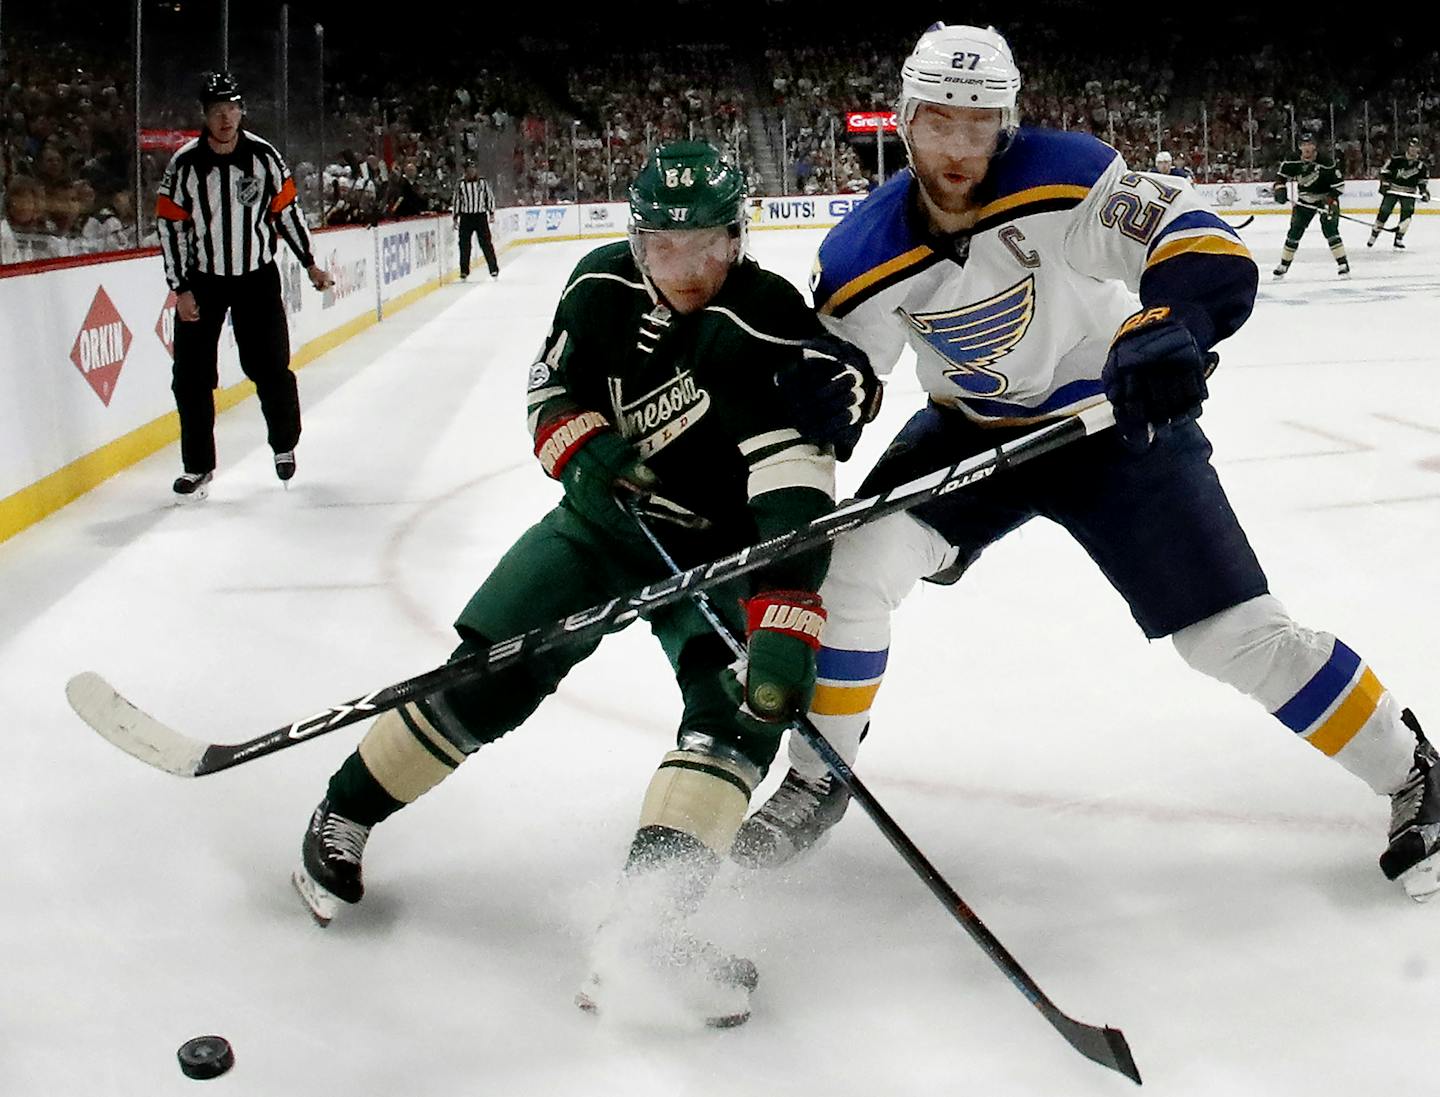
(262,337)
(479,224)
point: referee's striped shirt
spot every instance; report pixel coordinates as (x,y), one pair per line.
(473,196)
(223,215)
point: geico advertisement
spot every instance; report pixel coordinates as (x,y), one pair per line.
(409,254)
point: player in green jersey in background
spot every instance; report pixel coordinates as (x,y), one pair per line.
(1314,186)
(1402,180)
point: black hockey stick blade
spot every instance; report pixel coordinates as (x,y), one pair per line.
(1243,224)
(1106,1046)
(137,733)
(1102,1045)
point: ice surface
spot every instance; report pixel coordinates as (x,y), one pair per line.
(1156,851)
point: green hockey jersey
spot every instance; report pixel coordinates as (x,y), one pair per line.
(1405,178)
(695,394)
(1316,181)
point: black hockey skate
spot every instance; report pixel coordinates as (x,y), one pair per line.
(1413,856)
(1399,243)
(701,978)
(329,872)
(1279,272)
(797,816)
(192,485)
(1342,269)
(285,464)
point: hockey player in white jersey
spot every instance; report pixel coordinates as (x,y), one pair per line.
(1034,275)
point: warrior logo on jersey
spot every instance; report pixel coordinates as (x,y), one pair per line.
(657,418)
(972,337)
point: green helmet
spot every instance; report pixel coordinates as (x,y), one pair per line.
(688,185)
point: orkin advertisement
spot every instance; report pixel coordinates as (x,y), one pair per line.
(99,337)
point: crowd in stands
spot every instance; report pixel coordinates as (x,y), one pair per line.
(629,104)
(391,147)
(66,136)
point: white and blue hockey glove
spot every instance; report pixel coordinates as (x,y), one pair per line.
(1154,376)
(831,392)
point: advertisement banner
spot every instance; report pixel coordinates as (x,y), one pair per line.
(803,211)
(869,121)
(409,255)
(96,362)
(547,223)
(99,336)
(1361,196)
(604,218)
(155,140)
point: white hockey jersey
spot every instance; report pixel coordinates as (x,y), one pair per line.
(1012,321)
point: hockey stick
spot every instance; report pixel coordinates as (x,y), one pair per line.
(1106,1045)
(141,735)
(1343,216)
(1243,224)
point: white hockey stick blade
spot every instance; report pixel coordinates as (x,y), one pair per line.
(136,733)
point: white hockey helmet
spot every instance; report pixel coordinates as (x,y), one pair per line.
(959,66)
(1163,157)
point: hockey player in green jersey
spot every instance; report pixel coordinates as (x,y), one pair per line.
(1314,186)
(657,383)
(1402,180)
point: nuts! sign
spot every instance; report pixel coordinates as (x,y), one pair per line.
(100,347)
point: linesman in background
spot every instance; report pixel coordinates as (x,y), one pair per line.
(226,198)
(1402,180)
(474,206)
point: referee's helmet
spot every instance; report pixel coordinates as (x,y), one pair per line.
(219,87)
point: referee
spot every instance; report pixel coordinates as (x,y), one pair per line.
(226,197)
(474,205)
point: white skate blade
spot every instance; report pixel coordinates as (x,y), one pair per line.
(323,906)
(199,495)
(1421,881)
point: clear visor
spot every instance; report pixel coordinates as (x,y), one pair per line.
(958,131)
(672,253)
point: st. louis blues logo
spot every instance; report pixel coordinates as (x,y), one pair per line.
(973,336)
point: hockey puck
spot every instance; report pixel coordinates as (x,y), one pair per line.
(205,1057)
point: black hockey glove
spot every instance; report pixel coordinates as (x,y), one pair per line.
(831,392)
(1154,376)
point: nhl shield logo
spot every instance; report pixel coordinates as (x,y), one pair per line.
(248,190)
